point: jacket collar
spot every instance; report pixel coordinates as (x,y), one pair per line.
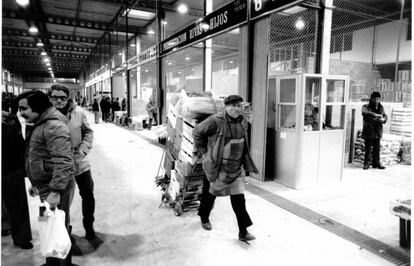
(50,114)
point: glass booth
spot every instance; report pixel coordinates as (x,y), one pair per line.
(310,128)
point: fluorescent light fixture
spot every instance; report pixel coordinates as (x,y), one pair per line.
(182,8)
(146,70)
(39,44)
(164,22)
(33,29)
(48,64)
(132,45)
(139,14)
(231,62)
(120,54)
(204,26)
(235,31)
(46,60)
(151,31)
(292,10)
(300,24)
(22,2)
(187,58)
(169,63)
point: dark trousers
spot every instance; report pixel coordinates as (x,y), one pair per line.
(65,201)
(375,145)
(237,202)
(150,122)
(15,200)
(85,185)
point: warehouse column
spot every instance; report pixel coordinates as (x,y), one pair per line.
(208,44)
(325,22)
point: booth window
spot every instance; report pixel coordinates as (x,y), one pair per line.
(312,104)
(335,105)
(287,104)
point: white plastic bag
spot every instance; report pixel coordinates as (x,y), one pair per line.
(54,238)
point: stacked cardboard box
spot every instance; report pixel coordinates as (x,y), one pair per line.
(401,122)
(181,161)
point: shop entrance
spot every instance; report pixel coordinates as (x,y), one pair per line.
(306,129)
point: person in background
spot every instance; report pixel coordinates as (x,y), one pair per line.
(123,104)
(49,162)
(81,136)
(221,140)
(152,113)
(95,109)
(115,107)
(12,178)
(105,105)
(373,117)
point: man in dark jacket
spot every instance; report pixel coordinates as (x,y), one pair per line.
(12,178)
(49,162)
(373,118)
(221,140)
(81,135)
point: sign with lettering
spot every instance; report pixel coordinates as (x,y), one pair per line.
(228,16)
(144,57)
(262,7)
(103,76)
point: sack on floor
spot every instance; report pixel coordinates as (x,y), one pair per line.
(54,238)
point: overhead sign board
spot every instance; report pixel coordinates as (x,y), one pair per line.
(223,18)
(262,7)
(144,57)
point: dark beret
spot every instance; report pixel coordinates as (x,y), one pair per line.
(375,94)
(232,99)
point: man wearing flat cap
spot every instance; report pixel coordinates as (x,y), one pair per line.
(373,118)
(221,140)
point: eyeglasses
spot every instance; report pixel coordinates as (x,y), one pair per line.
(62,98)
(23,108)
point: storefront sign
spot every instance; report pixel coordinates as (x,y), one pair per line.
(262,7)
(143,57)
(229,15)
(103,76)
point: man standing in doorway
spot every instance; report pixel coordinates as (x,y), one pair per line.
(49,163)
(222,141)
(81,137)
(152,113)
(373,118)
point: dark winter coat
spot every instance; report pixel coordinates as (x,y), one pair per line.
(372,127)
(95,106)
(209,138)
(49,163)
(13,148)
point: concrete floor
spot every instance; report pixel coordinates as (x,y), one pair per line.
(133,230)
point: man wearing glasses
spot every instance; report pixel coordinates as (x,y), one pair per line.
(81,136)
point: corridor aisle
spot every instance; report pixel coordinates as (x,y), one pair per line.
(135,231)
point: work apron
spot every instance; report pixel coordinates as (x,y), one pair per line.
(229,180)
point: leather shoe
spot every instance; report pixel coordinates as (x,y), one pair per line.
(366,167)
(206,225)
(90,234)
(246,236)
(27,245)
(379,167)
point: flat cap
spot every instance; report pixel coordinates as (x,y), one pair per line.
(375,94)
(232,99)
